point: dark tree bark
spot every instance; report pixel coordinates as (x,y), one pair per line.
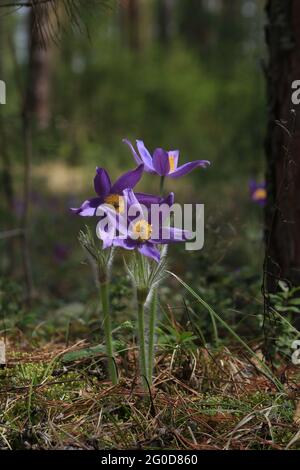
(282,221)
(164,10)
(192,22)
(6,176)
(35,107)
(37,101)
(130,19)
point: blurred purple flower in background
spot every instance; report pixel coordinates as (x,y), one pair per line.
(162,162)
(61,252)
(109,193)
(258,192)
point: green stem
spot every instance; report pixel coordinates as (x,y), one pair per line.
(107,331)
(161,185)
(215,329)
(141,262)
(152,323)
(142,344)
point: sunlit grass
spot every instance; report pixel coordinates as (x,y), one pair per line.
(222,402)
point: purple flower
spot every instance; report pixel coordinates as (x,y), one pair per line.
(258,192)
(61,252)
(162,162)
(109,193)
(138,231)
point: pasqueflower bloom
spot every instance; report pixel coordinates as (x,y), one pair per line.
(162,162)
(109,193)
(137,232)
(258,192)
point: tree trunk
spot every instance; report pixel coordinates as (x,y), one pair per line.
(130,17)
(164,10)
(6,173)
(190,21)
(282,222)
(6,167)
(38,91)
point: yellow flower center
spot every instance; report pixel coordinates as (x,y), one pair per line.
(142,230)
(259,194)
(172,162)
(116,201)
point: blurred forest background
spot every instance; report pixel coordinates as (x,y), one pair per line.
(175,73)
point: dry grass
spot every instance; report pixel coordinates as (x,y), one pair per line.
(198,401)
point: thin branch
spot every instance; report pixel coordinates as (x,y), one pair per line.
(28,4)
(53,15)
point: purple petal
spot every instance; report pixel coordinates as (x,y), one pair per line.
(128,180)
(130,198)
(161,162)
(117,223)
(145,155)
(135,155)
(260,202)
(148,199)
(106,239)
(102,182)
(253,186)
(150,251)
(169,199)
(157,210)
(179,235)
(133,207)
(88,208)
(107,226)
(188,167)
(125,243)
(172,235)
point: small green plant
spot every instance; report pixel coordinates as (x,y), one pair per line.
(285,301)
(174,336)
(285,305)
(264,368)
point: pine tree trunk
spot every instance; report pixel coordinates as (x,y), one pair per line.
(130,17)
(6,167)
(6,171)
(164,10)
(282,222)
(38,91)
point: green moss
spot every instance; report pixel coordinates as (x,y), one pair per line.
(47,405)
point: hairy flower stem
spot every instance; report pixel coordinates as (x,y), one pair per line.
(107,332)
(152,323)
(141,333)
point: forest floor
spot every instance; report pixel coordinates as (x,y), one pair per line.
(207,401)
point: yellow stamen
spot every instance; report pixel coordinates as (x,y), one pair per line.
(172,162)
(142,230)
(116,201)
(260,194)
